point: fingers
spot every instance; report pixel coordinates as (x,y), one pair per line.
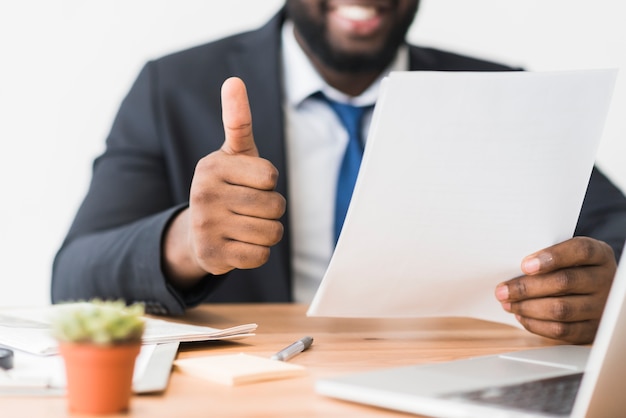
(572,308)
(572,318)
(232,195)
(564,290)
(234,234)
(575,280)
(234,211)
(577,266)
(237,119)
(243,170)
(554,311)
(574,252)
(582,332)
(244,243)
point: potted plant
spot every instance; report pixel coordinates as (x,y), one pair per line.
(99,342)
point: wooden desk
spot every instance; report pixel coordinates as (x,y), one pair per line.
(341,346)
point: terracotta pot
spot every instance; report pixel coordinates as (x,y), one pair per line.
(99,378)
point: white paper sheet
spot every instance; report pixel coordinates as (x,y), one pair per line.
(463,175)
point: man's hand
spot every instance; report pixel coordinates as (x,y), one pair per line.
(564,291)
(234,212)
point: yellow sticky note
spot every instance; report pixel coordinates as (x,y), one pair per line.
(235,369)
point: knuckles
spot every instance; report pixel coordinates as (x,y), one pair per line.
(269,177)
(586,248)
(255,257)
(518,288)
(564,280)
(275,232)
(562,310)
(560,331)
(209,163)
(575,332)
(234,227)
(227,255)
(278,205)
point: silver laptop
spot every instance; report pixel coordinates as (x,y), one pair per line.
(544,382)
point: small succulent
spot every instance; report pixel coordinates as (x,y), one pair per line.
(98,322)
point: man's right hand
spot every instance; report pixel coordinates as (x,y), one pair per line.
(234,211)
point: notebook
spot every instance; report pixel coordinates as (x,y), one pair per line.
(508,385)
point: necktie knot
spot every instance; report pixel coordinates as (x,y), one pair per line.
(351,118)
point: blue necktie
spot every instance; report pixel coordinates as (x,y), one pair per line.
(351,117)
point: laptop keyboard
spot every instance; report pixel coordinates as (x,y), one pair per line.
(553,396)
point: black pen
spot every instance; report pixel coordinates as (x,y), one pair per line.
(293,349)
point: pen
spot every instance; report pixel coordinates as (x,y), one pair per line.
(293,349)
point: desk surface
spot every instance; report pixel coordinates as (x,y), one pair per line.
(341,346)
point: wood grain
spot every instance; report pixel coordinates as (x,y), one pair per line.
(340,346)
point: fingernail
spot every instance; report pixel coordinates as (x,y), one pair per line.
(531,265)
(506,306)
(502,292)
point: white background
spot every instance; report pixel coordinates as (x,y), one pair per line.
(65,65)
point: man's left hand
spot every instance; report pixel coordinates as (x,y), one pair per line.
(564,290)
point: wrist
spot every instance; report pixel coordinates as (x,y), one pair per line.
(178,263)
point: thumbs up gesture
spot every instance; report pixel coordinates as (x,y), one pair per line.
(234,211)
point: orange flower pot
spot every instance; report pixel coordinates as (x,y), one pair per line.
(99,378)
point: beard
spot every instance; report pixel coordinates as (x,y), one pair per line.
(315,35)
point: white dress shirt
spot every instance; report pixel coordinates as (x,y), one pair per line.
(315,144)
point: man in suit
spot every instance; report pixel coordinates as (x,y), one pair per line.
(185,207)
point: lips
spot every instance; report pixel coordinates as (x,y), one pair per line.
(356,18)
(356,12)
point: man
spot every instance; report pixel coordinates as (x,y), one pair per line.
(185,208)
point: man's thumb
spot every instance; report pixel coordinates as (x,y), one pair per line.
(237,119)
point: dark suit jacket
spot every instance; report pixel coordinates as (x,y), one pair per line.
(169,120)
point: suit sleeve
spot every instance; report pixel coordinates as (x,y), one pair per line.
(113,248)
(603,214)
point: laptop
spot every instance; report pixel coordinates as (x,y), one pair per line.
(557,381)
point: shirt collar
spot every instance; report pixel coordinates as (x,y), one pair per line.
(302,80)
